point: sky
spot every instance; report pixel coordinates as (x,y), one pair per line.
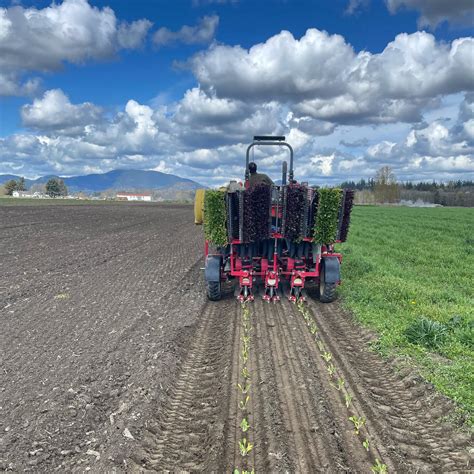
(182,87)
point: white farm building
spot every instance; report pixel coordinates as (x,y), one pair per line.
(134,197)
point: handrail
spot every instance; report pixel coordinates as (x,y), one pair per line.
(266,141)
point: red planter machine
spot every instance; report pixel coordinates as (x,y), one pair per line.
(271,250)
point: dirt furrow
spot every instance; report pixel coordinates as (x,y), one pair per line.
(188,432)
(334,428)
(270,425)
(296,428)
(404,413)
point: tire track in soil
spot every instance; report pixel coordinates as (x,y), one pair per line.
(188,434)
(97,340)
(403,414)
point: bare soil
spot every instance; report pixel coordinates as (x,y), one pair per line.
(111,358)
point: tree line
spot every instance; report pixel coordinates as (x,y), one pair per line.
(384,188)
(418,186)
(55,187)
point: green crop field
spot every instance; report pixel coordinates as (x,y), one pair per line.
(408,274)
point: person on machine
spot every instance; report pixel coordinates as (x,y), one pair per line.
(257,178)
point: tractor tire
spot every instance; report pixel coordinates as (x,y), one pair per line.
(327,291)
(213,290)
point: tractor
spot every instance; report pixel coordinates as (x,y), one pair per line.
(273,240)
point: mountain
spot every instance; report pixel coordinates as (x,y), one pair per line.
(120,180)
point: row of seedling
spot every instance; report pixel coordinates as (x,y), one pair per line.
(243,386)
(339,384)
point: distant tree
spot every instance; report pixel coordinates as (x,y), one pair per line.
(62,188)
(10,186)
(20,184)
(386,187)
(38,188)
(56,187)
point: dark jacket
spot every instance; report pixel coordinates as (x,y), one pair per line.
(259,178)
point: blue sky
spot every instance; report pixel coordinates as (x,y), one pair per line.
(182,86)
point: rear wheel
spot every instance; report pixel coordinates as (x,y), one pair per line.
(214,290)
(327,291)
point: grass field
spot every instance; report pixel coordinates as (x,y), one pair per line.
(408,274)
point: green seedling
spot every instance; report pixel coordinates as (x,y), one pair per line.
(245,372)
(327,356)
(366,444)
(378,467)
(244,389)
(348,399)
(314,329)
(247,327)
(320,345)
(244,425)
(340,383)
(243,403)
(244,355)
(245,447)
(358,422)
(331,369)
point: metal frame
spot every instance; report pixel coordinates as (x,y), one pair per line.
(272,141)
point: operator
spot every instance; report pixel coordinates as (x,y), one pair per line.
(257,178)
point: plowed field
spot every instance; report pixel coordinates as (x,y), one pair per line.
(111,358)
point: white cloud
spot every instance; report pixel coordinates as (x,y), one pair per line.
(321,76)
(202,33)
(354,5)
(143,137)
(11,86)
(73,31)
(333,96)
(434,12)
(198,108)
(54,112)
(132,35)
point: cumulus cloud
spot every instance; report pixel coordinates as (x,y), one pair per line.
(311,126)
(434,12)
(327,95)
(132,35)
(10,85)
(73,31)
(322,77)
(202,33)
(54,112)
(198,108)
(143,137)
